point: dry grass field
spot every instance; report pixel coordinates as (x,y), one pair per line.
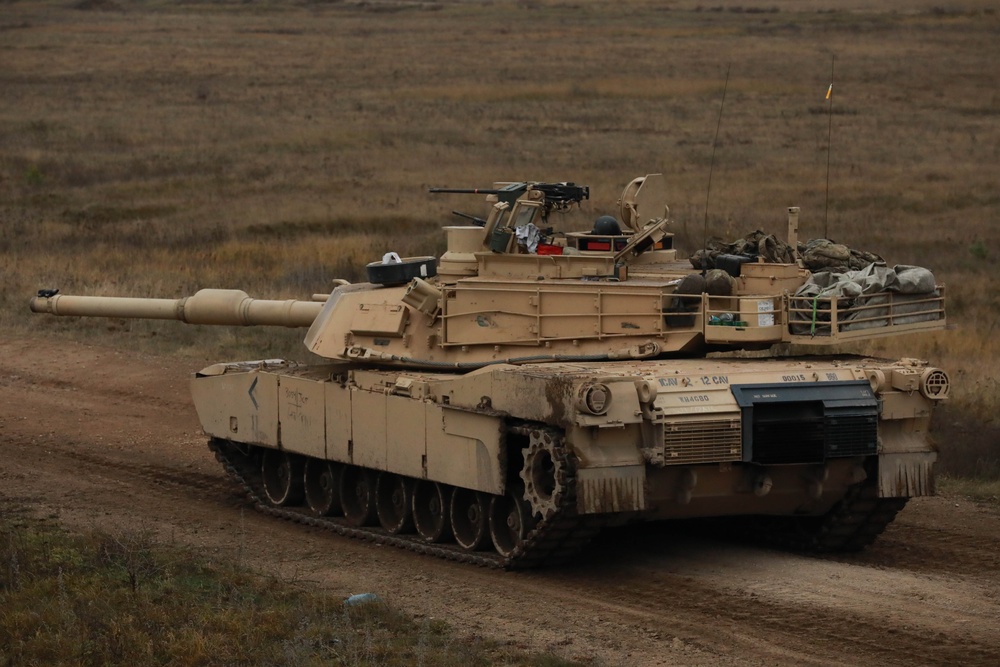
(151,148)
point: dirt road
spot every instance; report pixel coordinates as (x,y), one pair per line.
(104,437)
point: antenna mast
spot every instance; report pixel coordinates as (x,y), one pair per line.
(829,150)
(711,166)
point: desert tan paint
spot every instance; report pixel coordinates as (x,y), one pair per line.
(571,355)
(448,428)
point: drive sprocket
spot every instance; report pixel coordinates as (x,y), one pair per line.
(544,472)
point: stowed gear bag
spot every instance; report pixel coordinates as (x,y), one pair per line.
(751,247)
(825,255)
(816,255)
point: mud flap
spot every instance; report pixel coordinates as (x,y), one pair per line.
(906,475)
(617,489)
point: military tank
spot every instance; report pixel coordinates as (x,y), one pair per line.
(503,403)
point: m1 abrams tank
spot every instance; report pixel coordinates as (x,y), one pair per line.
(501,404)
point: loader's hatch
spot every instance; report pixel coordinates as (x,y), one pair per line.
(807,422)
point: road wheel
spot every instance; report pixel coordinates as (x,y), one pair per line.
(357,496)
(281,474)
(470,519)
(430,511)
(322,487)
(510,521)
(393,500)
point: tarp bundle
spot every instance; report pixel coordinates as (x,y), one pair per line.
(872,297)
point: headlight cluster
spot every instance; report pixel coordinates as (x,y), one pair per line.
(594,398)
(934,384)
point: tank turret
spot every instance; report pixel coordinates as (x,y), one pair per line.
(513,291)
(501,404)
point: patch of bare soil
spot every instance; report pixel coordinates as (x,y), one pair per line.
(101,437)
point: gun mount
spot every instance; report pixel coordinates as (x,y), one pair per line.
(554,196)
(500,404)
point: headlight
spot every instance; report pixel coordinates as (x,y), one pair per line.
(934,384)
(594,399)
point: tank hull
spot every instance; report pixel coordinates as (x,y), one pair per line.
(580,446)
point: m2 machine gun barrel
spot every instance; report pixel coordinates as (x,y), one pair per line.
(556,195)
(227,307)
(465,191)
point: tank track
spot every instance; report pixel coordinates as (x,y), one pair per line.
(853,524)
(552,541)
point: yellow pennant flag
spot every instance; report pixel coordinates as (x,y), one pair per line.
(829,91)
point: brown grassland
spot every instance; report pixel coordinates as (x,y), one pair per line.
(151,148)
(122,598)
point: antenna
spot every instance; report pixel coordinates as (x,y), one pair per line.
(829,150)
(711,166)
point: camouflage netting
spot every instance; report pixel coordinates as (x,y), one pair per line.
(817,254)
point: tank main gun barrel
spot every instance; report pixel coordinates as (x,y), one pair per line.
(227,307)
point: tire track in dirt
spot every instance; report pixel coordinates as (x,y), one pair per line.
(94,390)
(878,615)
(108,470)
(937,550)
(194,484)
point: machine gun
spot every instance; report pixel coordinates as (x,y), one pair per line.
(557,196)
(479,222)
